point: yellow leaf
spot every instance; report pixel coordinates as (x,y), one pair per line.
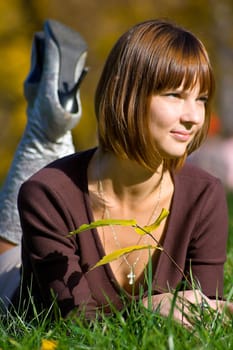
(164,213)
(47,344)
(119,252)
(105,222)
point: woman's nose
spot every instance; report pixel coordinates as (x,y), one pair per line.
(193,111)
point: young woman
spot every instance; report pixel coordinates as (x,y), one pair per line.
(153,109)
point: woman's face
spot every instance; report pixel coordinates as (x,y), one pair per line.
(175,118)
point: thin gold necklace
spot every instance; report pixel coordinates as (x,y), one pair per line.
(131,275)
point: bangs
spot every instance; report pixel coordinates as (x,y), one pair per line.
(183,62)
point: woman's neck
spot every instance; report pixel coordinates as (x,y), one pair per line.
(124,180)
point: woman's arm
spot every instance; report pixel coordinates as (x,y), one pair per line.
(207,249)
(206,256)
(48,253)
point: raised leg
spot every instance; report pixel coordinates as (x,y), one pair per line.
(53,109)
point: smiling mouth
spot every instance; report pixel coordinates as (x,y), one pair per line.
(181,135)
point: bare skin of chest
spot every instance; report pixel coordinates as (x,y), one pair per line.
(116,237)
(125,190)
(138,259)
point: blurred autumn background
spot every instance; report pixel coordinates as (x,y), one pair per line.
(101,22)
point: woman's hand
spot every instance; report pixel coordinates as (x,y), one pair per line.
(183,305)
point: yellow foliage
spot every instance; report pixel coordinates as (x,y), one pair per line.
(48,344)
(123,251)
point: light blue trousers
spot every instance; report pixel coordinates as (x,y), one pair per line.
(10,262)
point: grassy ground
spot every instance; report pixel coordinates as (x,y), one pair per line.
(142,329)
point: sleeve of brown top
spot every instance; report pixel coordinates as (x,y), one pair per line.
(196,233)
(48,251)
(207,247)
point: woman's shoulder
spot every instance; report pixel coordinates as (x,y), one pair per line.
(193,173)
(193,182)
(195,189)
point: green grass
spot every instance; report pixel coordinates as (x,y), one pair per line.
(140,329)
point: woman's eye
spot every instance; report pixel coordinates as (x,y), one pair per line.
(173,94)
(203,99)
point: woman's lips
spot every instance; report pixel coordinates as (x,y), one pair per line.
(181,135)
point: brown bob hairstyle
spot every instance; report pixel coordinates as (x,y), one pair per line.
(152,57)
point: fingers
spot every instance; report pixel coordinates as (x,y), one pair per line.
(168,307)
(229,307)
(188,306)
(223,306)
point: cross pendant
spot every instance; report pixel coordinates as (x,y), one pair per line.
(131,276)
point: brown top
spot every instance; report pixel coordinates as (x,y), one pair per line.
(55,201)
